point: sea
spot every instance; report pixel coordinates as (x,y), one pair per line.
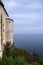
(30,42)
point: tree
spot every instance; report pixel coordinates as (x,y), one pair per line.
(8,50)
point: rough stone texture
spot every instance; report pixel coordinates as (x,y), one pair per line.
(7,29)
(1,54)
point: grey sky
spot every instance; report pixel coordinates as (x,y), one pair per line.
(27,15)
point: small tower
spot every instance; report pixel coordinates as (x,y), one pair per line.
(6,28)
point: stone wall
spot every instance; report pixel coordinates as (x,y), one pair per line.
(9,30)
(6,32)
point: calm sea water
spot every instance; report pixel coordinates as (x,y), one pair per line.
(31,42)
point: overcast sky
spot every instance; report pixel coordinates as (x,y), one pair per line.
(27,15)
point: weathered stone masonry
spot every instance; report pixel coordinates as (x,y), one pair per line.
(6,28)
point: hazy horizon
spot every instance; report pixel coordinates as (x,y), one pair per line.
(31,42)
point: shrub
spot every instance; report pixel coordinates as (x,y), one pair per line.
(20,61)
(35,63)
(8,61)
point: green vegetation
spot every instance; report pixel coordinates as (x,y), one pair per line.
(18,56)
(35,63)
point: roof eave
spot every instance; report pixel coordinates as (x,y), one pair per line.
(4,8)
(9,19)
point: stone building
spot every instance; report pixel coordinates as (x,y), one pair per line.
(6,28)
